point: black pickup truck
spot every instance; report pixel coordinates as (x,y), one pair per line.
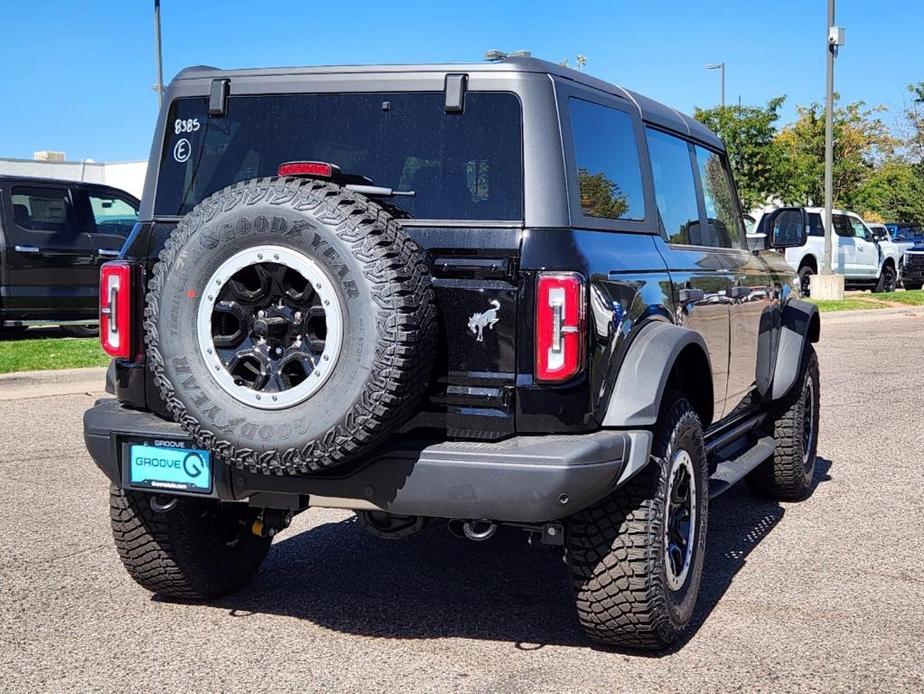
(54,235)
(479,294)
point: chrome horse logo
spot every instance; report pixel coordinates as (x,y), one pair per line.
(487,319)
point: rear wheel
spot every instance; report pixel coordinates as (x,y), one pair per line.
(187,548)
(805,280)
(788,474)
(636,557)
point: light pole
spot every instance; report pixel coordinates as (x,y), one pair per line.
(721,68)
(835,39)
(158,56)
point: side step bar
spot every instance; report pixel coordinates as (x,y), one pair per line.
(731,470)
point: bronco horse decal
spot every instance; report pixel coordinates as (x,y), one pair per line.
(479,321)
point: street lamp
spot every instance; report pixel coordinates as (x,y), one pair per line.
(829,285)
(158,55)
(721,67)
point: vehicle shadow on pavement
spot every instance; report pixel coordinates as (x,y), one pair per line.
(433,585)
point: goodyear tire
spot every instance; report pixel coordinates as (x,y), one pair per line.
(289,325)
(179,547)
(788,475)
(636,556)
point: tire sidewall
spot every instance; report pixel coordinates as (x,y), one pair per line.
(810,376)
(687,436)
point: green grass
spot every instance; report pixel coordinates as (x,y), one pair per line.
(872,301)
(915,298)
(50,353)
(828,305)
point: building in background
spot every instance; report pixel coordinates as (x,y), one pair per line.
(125,175)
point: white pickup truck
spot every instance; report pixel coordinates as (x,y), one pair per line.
(864,261)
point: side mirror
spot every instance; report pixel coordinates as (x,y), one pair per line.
(788,228)
(757,242)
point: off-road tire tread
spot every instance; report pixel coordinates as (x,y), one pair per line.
(782,476)
(405,322)
(164,553)
(612,549)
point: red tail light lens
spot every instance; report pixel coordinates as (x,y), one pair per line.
(115,309)
(560,316)
(319,169)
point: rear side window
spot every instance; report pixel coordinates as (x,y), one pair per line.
(816,228)
(674,187)
(724,227)
(113,215)
(43,209)
(606,157)
(463,166)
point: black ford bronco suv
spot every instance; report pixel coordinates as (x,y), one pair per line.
(500,293)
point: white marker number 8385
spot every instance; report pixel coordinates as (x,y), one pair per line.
(188,125)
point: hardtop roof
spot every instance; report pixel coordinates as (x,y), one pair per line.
(650,110)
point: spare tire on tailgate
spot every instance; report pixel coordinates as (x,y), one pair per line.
(289,325)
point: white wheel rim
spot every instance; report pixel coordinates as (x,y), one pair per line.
(322,287)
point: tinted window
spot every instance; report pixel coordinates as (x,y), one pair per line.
(674,187)
(460,166)
(113,215)
(43,209)
(723,220)
(842,225)
(816,228)
(606,155)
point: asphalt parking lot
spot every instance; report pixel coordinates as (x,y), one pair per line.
(824,595)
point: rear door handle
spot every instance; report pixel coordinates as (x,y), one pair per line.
(27,249)
(108,252)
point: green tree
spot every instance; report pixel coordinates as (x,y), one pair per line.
(601,197)
(749,134)
(894,192)
(913,144)
(861,141)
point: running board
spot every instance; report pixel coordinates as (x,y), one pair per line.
(731,470)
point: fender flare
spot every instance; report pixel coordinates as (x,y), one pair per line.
(801,325)
(643,374)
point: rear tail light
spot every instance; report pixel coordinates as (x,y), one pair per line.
(560,317)
(115,309)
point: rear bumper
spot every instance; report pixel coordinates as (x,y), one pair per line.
(524,479)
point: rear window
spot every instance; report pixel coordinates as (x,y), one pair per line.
(461,166)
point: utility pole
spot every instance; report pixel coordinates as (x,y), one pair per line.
(721,68)
(158,56)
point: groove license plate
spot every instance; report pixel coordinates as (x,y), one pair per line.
(170,468)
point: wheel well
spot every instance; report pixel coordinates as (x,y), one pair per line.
(691,374)
(809,261)
(889,261)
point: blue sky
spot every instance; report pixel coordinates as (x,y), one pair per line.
(77,75)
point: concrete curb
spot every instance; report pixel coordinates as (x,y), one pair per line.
(36,384)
